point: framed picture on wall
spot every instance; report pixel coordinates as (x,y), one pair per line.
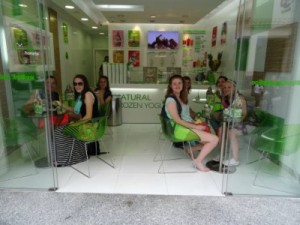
(29,49)
(118,56)
(118,38)
(223,33)
(134,38)
(134,58)
(150,75)
(214,36)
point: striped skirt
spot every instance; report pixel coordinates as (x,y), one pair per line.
(62,147)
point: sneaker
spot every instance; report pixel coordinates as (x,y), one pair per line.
(231,162)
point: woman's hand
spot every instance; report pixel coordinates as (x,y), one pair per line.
(100,93)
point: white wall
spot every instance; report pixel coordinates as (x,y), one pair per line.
(227,13)
(79,49)
(144,28)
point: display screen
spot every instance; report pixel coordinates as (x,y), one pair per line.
(163,39)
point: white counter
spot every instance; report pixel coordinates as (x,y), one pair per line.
(141,103)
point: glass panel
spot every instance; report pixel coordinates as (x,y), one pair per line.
(267,74)
(25,161)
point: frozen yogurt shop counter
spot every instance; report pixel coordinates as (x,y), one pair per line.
(141,103)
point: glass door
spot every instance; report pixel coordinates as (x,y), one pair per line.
(25,132)
(266,142)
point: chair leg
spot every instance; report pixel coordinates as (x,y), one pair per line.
(161,168)
(111,163)
(87,160)
(263,156)
(192,155)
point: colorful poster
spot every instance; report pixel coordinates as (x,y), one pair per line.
(118,38)
(214,36)
(224,33)
(134,58)
(133,38)
(118,56)
(65,33)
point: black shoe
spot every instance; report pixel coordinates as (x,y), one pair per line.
(178,145)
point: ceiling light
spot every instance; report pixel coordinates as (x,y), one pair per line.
(23,5)
(152,17)
(69,7)
(101,33)
(121,7)
(84,19)
(94,27)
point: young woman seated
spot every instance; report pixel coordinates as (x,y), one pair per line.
(208,141)
(86,106)
(234,101)
(103,91)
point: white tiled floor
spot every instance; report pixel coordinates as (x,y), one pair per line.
(133,148)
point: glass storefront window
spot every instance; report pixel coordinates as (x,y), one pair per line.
(25,157)
(268,68)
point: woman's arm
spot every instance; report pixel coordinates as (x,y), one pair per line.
(172,108)
(67,108)
(100,95)
(89,102)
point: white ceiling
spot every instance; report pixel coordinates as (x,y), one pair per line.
(166,11)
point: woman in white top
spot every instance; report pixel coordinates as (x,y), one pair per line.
(209,141)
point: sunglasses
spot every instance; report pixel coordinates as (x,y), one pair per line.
(79,84)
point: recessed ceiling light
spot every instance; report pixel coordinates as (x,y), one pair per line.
(101,33)
(84,19)
(152,17)
(121,7)
(23,5)
(69,7)
(94,27)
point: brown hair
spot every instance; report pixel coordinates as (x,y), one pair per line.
(183,93)
(189,79)
(86,86)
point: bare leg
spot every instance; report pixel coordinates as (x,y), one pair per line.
(233,133)
(209,141)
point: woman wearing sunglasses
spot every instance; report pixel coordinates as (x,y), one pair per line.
(86,107)
(86,104)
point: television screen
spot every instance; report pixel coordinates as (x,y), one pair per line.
(163,39)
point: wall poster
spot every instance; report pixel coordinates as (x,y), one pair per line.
(65,33)
(118,56)
(134,58)
(28,47)
(223,33)
(150,75)
(118,38)
(214,36)
(134,38)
